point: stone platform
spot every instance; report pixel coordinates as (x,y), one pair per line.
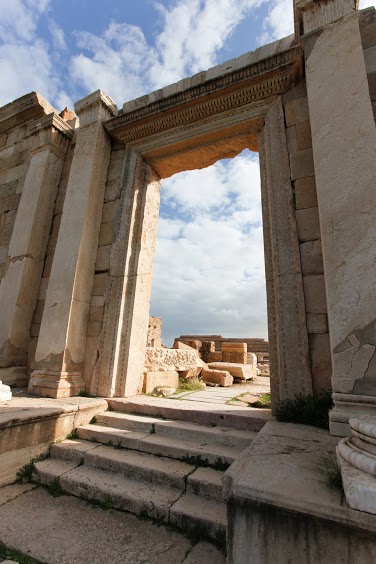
(280,510)
(28,426)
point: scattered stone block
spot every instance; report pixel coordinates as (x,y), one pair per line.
(208,346)
(191,373)
(154,379)
(214,357)
(234,347)
(220,377)
(237,357)
(240,371)
(252,358)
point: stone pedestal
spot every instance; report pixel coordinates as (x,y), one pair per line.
(61,345)
(357,458)
(5,393)
(20,285)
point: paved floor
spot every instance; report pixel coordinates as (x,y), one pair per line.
(65,529)
(223,395)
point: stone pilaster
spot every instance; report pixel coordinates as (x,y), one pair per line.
(122,342)
(344,145)
(61,345)
(20,285)
(313,15)
(289,351)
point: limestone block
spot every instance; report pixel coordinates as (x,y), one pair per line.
(112,191)
(152,379)
(105,234)
(5,392)
(234,347)
(100,284)
(191,373)
(169,359)
(367,26)
(308,224)
(47,266)
(214,357)
(370,59)
(17,172)
(317,323)
(208,346)
(7,190)
(305,193)
(296,111)
(9,203)
(109,211)
(182,346)
(5,234)
(321,362)
(221,377)
(314,293)
(103,258)
(94,328)
(311,255)
(303,135)
(35,328)
(240,371)
(236,357)
(302,164)
(43,288)
(291,139)
(252,359)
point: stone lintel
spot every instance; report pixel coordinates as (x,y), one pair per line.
(23,110)
(262,74)
(97,106)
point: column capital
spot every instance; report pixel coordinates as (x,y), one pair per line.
(312,15)
(51,132)
(98,106)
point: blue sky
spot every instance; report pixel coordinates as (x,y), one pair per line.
(209,268)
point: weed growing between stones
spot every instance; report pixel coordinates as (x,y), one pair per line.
(93,420)
(190,385)
(263,402)
(197,460)
(308,410)
(55,489)
(17,556)
(72,435)
(330,469)
(83,394)
(24,474)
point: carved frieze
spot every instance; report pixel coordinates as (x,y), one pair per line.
(28,108)
(230,91)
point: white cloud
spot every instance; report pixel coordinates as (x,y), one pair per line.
(19,18)
(366,4)
(279,22)
(209,270)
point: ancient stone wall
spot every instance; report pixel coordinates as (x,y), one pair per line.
(154,332)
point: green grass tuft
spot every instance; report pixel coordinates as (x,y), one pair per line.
(17,556)
(308,410)
(55,489)
(83,394)
(263,402)
(190,385)
(331,471)
(25,473)
(72,435)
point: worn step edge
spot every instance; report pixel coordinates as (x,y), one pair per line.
(110,489)
(185,430)
(191,511)
(206,482)
(172,448)
(111,436)
(127,421)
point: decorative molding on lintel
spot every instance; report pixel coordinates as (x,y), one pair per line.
(23,110)
(244,86)
(49,121)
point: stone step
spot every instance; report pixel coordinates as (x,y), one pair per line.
(127,421)
(160,445)
(191,511)
(190,451)
(251,419)
(130,463)
(206,482)
(111,436)
(114,490)
(184,430)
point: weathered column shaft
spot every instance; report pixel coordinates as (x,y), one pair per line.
(289,351)
(122,342)
(344,145)
(61,345)
(27,249)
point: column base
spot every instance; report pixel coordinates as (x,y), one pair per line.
(53,384)
(357,458)
(347,406)
(14,376)
(5,392)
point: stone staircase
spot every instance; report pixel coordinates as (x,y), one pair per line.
(167,470)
